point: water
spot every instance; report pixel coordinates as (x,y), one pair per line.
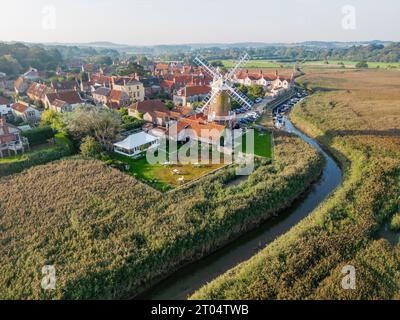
(188,279)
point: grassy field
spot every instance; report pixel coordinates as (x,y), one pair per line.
(163,177)
(262,144)
(108,235)
(356,115)
(271,64)
(258,64)
(352,64)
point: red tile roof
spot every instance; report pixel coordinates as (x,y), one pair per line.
(37,90)
(19,107)
(118,95)
(196,90)
(149,106)
(4,101)
(70,97)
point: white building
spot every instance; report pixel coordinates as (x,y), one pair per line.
(136,144)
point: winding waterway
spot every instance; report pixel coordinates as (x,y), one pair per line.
(193,276)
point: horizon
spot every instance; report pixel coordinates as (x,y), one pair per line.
(301,21)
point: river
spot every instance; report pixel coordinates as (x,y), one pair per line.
(190,278)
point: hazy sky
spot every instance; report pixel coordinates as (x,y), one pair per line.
(190,21)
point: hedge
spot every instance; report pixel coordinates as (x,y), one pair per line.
(39,135)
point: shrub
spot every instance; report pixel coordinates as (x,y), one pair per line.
(90,147)
(39,136)
(395,223)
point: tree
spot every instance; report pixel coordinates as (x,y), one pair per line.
(52,119)
(169,105)
(90,147)
(98,122)
(256,91)
(362,64)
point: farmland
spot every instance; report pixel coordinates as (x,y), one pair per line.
(108,235)
(356,116)
(257,64)
(272,64)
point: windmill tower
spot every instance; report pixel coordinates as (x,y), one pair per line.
(217,105)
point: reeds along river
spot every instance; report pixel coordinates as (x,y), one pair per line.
(190,278)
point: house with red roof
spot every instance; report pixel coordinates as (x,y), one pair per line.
(11,139)
(38,91)
(54,101)
(26,112)
(190,94)
(118,99)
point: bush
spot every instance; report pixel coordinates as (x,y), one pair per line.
(39,136)
(90,148)
(362,64)
(395,223)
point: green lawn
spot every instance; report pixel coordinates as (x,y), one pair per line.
(262,144)
(162,177)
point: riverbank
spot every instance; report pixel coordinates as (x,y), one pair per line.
(306,262)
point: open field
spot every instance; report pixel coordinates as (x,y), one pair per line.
(352,64)
(356,115)
(257,64)
(271,64)
(109,235)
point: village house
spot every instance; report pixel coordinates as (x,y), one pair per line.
(60,106)
(196,127)
(118,99)
(139,109)
(38,91)
(26,112)
(151,84)
(5,109)
(273,83)
(189,94)
(21,85)
(130,86)
(11,139)
(90,68)
(161,69)
(64,86)
(71,99)
(101,95)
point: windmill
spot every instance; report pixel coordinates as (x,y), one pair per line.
(217,103)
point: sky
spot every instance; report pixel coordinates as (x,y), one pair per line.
(150,22)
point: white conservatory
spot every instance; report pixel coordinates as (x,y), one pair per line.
(136,144)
